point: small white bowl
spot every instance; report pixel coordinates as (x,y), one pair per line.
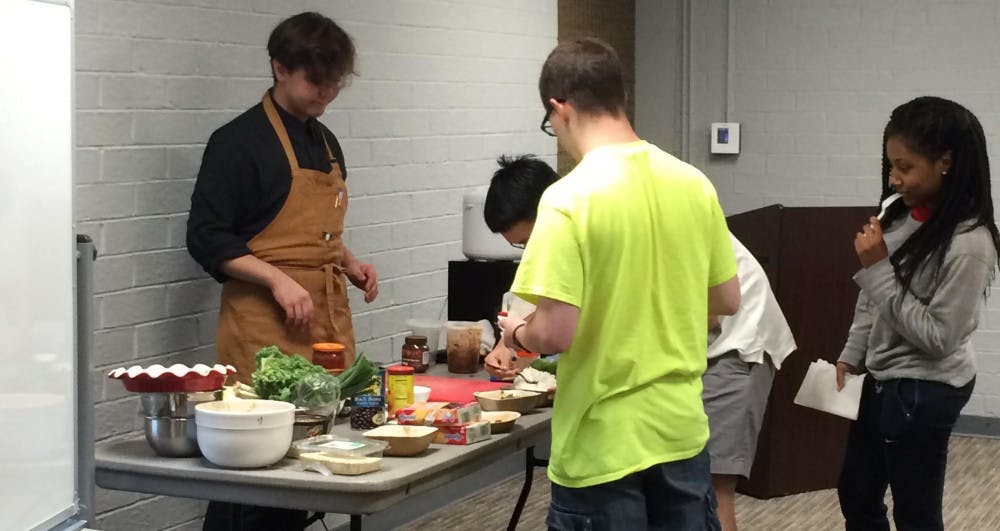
(244,433)
(421,393)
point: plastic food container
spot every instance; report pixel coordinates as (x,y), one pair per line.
(337,446)
(463,346)
(421,393)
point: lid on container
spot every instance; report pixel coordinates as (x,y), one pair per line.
(415,340)
(341,446)
(400,369)
(329,347)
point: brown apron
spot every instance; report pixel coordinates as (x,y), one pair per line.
(304,241)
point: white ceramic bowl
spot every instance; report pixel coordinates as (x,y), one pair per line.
(244,433)
(421,393)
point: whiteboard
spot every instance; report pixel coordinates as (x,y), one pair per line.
(37,346)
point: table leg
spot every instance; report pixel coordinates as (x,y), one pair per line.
(530,462)
(355,522)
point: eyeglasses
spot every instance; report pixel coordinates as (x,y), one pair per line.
(546,126)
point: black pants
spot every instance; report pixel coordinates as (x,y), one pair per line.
(900,440)
(222,516)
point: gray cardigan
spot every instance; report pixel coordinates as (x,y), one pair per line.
(897,336)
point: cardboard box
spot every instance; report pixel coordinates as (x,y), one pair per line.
(439,414)
(466,434)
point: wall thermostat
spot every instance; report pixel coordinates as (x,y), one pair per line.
(726,137)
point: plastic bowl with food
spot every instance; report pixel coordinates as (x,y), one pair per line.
(403,440)
(519,400)
(421,393)
(244,433)
(501,421)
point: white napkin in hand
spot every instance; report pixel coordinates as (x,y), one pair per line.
(819,390)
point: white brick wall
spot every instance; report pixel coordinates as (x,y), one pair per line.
(814,86)
(444,87)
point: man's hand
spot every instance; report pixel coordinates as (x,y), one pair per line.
(842,370)
(294,299)
(507,326)
(500,363)
(363,276)
(869,243)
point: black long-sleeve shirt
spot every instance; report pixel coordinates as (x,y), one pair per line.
(244,180)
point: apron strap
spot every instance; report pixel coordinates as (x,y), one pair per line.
(279,128)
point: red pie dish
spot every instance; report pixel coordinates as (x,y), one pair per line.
(177,378)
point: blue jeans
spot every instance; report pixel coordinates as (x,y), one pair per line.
(900,440)
(676,496)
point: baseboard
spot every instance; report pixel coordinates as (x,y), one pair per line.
(977,426)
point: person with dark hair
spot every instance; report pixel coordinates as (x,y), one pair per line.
(629,255)
(923,281)
(512,199)
(267,218)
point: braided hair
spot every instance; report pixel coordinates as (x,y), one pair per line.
(932,127)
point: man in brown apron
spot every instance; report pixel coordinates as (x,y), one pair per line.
(267,218)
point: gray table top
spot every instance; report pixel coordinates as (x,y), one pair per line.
(131,465)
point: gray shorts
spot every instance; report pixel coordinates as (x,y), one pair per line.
(735,396)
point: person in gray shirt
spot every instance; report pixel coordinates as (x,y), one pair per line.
(923,283)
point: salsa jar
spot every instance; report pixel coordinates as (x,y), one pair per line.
(416,354)
(330,356)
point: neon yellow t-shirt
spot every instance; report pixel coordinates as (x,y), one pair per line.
(634,238)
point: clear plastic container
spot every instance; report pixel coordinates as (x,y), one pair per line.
(463,346)
(338,446)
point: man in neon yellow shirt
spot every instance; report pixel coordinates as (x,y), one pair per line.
(628,255)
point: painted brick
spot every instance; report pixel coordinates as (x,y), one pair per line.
(101,54)
(435,230)
(194,296)
(183,162)
(114,347)
(392,151)
(166,336)
(208,327)
(86,165)
(177,230)
(87,91)
(117,418)
(214,92)
(107,499)
(103,128)
(380,209)
(178,127)
(133,164)
(164,266)
(128,235)
(112,273)
(133,92)
(132,307)
(104,201)
(198,58)
(365,240)
(165,197)
(155,513)
(419,287)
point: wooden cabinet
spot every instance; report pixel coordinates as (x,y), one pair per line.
(808,254)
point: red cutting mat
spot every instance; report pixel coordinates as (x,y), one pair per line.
(458,389)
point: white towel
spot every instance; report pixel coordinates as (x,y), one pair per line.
(819,390)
